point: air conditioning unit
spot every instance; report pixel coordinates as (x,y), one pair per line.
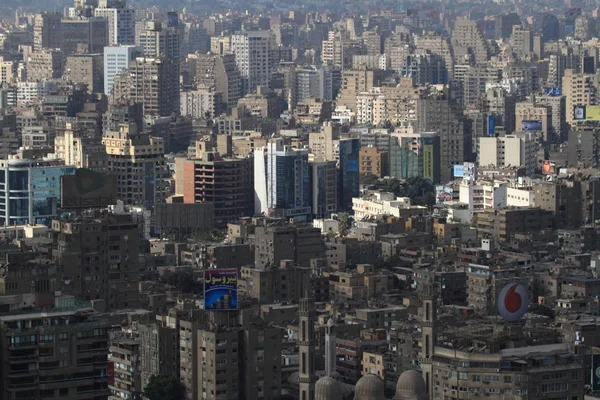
(497,369)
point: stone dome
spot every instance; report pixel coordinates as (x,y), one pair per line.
(369,387)
(411,386)
(328,388)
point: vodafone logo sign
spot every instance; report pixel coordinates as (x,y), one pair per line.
(513,302)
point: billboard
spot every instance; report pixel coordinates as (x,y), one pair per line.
(592,113)
(221,289)
(513,302)
(548,168)
(531,125)
(469,171)
(88,189)
(555,91)
(443,194)
(491,125)
(428,161)
(595,372)
(459,171)
(579,113)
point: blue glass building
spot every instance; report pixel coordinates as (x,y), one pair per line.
(349,173)
(30,190)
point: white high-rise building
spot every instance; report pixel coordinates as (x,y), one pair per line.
(121,25)
(116,60)
(251,51)
(282,181)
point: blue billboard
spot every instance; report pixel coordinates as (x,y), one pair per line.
(553,92)
(531,125)
(491,125)
(221,289)
(459,171)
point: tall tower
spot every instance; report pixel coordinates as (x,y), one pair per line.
(428,332)
(330,348)
(306,346)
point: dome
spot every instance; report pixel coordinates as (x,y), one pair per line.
(411,386)
(369,387)
(327,388)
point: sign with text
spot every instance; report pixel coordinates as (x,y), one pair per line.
(531,125)
(596,372)
(88,189)
(428,162)
(221,289)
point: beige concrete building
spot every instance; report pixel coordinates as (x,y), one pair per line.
(322,144)
(138,160)
(531,111)
(515,150)
(372,161)
(44,65)
(468,40)
(579,90)
(148,81)
(201,103)
(87,69)
(220,72)
(353,83)
(71,145)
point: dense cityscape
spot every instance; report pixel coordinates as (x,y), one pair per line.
(299,201)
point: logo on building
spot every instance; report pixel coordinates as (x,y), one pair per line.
(513,302)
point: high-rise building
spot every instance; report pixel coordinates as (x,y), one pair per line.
(521,41)
(124,355)
(281,181)
(505,25)
(373,161)
(98,257)
(224,182)
(584,145)
(242,363)
(121,24)
(116,60)
(517,150)
(278,243)
(415,155)
(47,31)
(159,350)
(548,26)
(436,113)
(54,352)
(76,149)
(322,143)
(30,190)
(324,188)
(147,81)
(138,160)
(91,34)
(579,90)
(46,64)
(220,72)
(306,348)
(87,69)
(201,103)
(163,42)
(349,172)
(468,40)
(251,51)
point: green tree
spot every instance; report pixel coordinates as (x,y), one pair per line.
(344,223)
(164,387)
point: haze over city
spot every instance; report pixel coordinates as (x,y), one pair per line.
(300,200)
